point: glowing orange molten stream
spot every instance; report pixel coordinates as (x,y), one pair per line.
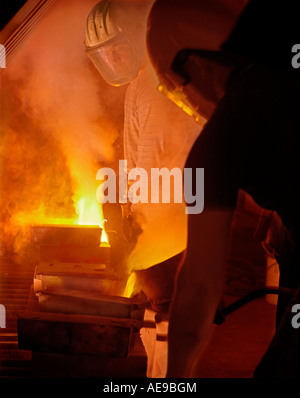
(129,288)
(90,213)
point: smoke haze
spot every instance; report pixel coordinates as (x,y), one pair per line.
(60,123)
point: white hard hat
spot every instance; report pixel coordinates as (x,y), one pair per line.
(100,25)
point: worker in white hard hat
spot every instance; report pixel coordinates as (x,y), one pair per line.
(157,134)
(113,41)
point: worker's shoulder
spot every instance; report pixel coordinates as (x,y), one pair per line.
(146,85)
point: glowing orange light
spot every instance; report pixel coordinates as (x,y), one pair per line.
(90,213)
(129,288)
(104,238)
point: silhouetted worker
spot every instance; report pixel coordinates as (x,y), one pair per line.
(231,63)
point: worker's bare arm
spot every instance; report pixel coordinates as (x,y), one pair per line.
(199,289)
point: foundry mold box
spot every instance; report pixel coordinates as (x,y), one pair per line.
(68,311)
(81,235)
(86,303)
(112,334)
(54,277)
(77,334)
(70,243)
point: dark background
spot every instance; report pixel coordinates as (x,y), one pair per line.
(8,9)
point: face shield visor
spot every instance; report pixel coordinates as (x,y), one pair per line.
(117,60)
